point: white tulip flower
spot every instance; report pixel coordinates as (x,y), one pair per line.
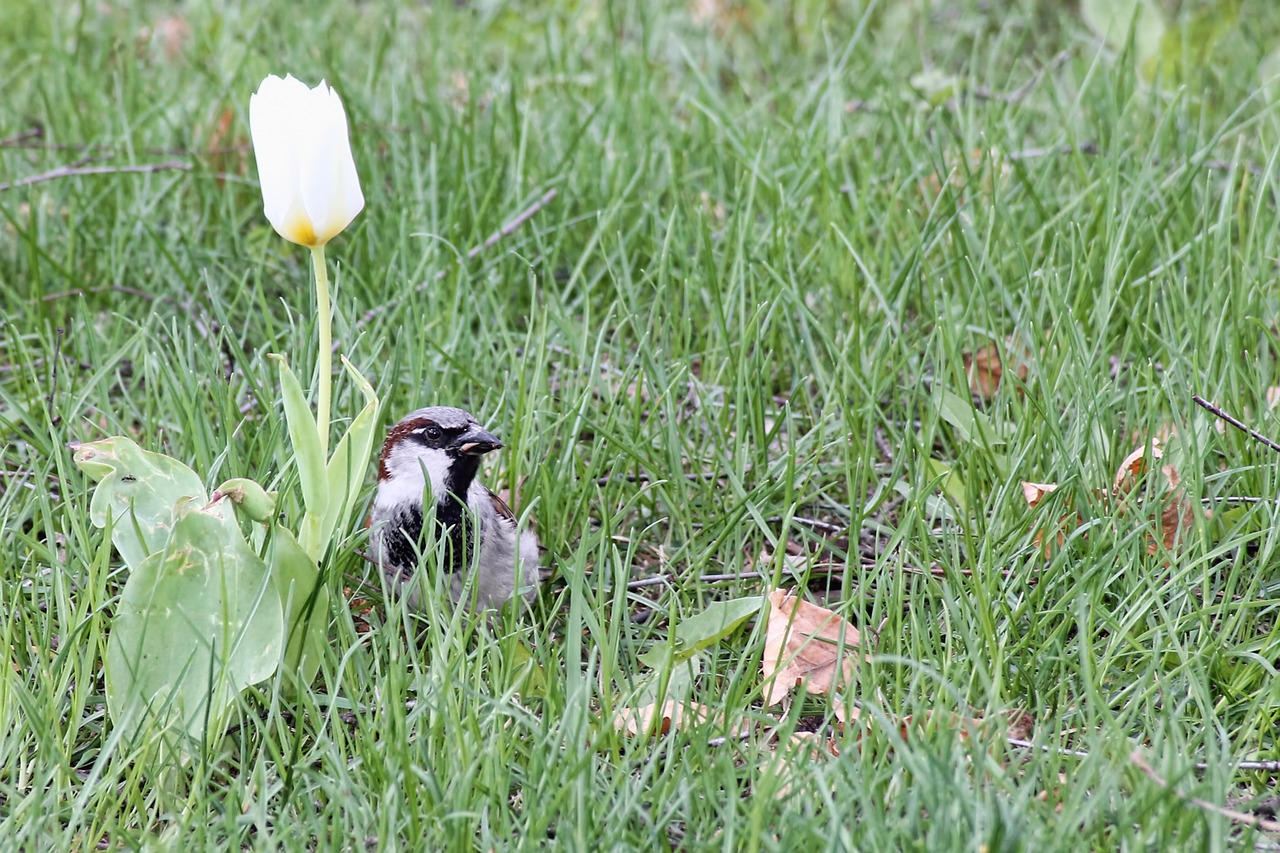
(310,189)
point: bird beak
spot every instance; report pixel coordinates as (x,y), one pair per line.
(477,442)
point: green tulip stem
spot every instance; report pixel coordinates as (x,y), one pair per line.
(324,362)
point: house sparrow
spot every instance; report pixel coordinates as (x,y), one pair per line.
(442,446)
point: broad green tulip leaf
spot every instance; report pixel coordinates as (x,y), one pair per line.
(351,457)
(197,623)
(136,494)
(255,502)
(304,435)
(305,598)
(1114,20)
(696,633)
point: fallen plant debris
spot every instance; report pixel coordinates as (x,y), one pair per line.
(652,719)
(1232,815)
(986,366)
(1172,515)
(1235,422)
(808,645)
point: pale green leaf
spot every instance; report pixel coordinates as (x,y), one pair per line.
(974,427)
(304,435)
(1189,46)
(695,633)
(350,460)
(663,684)
(1114,20)
(136,494)
(952,484)
(197,622)
(305,598)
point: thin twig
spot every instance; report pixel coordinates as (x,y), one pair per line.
(105,288)
(1265,766)
(1093,148)
(1247,766)
(508,229)
(1230,814)
(645,478)
(1036,153)
(505,231)
(73,171)
(1056,750)
(1257,436)
(737,576)
(882,442)
(18,139)
(824,526)
(982,93)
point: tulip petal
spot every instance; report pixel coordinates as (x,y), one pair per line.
(310,187)
(330,187)
(273,121)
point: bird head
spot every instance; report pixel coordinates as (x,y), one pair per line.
(439,445)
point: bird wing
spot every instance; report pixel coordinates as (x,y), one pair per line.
(500,506)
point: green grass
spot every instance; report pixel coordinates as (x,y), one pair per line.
(767,254)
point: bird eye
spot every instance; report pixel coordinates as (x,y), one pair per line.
(433,433)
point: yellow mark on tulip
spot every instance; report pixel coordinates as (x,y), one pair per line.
(298,228)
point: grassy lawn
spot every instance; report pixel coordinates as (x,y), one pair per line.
(725,346)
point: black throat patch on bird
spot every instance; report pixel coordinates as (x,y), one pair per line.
(454,525)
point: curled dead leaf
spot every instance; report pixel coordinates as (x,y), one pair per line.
(1172,515)
(986,367)
(812,745)
(1133,466)
(1035,492)
(1176,513)
(807,644)
(1057,530)
(793,754)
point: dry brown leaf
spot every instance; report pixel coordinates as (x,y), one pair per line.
(651,720)
(1035,493)
(814,744)
(985,169)
(1177,513)
(985,371)
(1020,725)
(807,644)
(1057,793)
(173,32)
(1133,466)
(170,33)
(986,367)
